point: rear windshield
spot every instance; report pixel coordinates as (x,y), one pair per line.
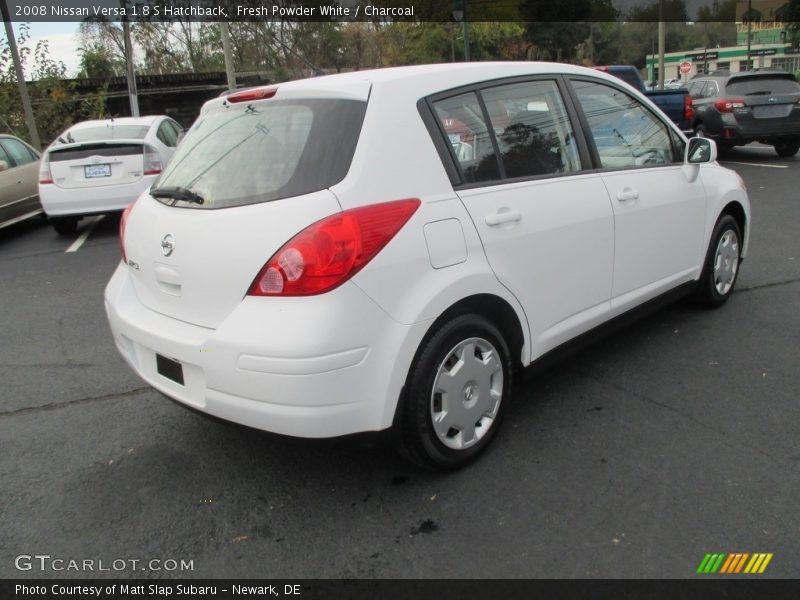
(767,86)
(235,155)
(103,132)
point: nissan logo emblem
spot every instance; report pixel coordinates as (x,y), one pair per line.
(167,244)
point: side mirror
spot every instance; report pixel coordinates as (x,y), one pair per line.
(3,166)
(700,150)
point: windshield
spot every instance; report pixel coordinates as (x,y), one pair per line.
(103,132)
(769,86)
(235,155)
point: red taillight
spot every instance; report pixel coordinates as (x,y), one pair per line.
(261,93)
(44,170)
(688,108)
(329,252)
(152,161)
(727,105)
(123,221)
(604,69)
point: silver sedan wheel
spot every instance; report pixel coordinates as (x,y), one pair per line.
(466,393)
(726,262)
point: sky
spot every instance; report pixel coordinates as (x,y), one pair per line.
(63,39)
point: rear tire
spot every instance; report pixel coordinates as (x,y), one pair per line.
(456,393)
(721,266)
(64,225)
(787,149)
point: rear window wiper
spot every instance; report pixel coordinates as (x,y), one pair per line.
(177,193)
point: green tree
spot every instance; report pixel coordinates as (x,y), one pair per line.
(56,104)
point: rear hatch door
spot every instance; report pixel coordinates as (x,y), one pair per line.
(247,178)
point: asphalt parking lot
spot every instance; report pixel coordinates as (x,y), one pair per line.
(677,436)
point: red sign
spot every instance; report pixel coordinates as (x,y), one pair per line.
(685,67)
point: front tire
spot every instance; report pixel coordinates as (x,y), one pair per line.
(787,149)
(721,266)
(456,393)
(64,225)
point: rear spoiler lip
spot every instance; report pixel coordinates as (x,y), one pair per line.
(79,145)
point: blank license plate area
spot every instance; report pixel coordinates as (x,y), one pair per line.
(772,112)
(92,171)
(171,369)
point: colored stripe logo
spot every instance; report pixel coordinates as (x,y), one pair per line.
(738,562)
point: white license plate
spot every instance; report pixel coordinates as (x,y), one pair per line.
(772,112)
(92,171)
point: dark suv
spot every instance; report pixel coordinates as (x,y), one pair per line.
(752,106)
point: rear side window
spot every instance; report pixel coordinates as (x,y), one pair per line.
(265,151)
(534,134)
(5,158)
(167,134)
(463,122)
(529,133)
(21,154)
(762,86)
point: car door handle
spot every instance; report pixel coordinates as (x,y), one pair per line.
(503,215)
(627,194)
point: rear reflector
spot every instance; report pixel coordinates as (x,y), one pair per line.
(326,254)
(261,93)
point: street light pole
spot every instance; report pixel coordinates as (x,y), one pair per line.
(460,14)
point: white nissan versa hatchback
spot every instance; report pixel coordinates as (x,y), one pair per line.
(381,249)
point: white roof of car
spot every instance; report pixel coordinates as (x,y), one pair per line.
(430,78)
(144,121)
(415,81)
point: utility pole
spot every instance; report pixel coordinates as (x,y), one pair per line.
(132,94)
(23,88)
(661,44)
(749,31)
(225,34)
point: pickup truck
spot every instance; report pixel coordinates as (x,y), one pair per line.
(675,103)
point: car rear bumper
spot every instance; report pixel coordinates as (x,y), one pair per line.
(765,130)
(314,367)
(61,202)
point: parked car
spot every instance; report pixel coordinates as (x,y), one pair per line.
(19,166)
(753,106)
(674,99)
(101,166)
(323,257)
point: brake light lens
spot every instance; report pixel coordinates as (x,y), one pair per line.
(727,105)
(123,222)
(261,93)
(44,169)
(152,161)
(688,108)
(329,252)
